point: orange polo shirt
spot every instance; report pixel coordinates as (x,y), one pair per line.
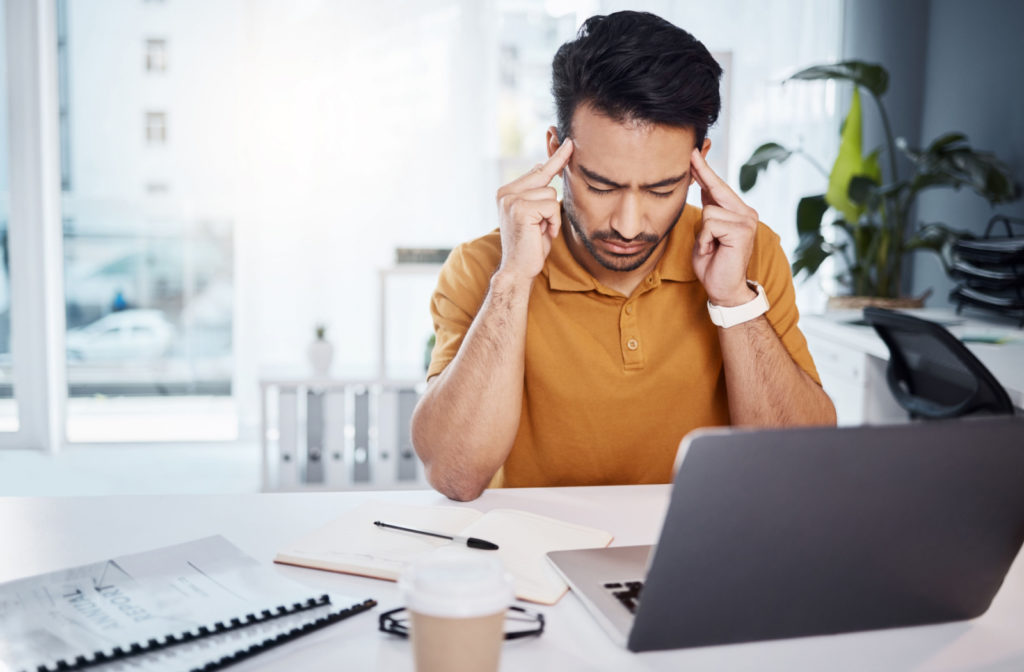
(612,383)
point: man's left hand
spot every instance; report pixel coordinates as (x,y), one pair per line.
(725,240)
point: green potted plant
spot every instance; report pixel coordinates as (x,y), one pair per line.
(870,208)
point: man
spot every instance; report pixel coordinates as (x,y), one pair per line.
(582,354)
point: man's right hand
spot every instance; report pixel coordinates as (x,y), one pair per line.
(466,422)
(531,217)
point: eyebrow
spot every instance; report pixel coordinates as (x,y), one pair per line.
(597,177)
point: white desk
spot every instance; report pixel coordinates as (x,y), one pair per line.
(852,359)
(45,534)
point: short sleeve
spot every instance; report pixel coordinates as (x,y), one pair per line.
(770,267)
(461,288)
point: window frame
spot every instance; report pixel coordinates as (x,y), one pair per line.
(156,55)
(156,127)
(37,317)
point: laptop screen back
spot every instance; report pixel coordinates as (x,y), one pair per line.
(813,531)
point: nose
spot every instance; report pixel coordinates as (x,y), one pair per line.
(628,220)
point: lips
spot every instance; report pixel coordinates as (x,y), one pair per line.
(623,249)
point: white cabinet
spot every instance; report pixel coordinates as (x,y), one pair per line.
(855,381)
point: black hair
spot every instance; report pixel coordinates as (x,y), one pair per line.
(635,66)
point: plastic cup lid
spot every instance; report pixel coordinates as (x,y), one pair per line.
(453,583)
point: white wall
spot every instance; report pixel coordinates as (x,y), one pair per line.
(972,85)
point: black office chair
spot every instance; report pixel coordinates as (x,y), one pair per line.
(931,373)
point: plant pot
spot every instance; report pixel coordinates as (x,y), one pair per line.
(321,354)
(862,302)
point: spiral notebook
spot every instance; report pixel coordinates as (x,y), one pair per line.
(201,605)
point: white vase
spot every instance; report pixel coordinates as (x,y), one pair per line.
(321,353)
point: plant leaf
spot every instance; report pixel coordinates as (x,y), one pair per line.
(809,212)
(949,161)
(947,139)
(809,254)
(849,163)
(871,168)
(759,160)
(862,190)
(871,76)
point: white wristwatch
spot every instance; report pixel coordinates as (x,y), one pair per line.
(725,317)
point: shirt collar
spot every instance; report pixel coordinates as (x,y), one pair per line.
(564,273)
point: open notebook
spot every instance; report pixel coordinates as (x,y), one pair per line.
(352,544)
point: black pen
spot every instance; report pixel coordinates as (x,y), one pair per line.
(472,542)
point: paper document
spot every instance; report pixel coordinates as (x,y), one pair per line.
(354,545)
(135,599)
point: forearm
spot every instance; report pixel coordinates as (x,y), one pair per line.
(765,386)
(464,426)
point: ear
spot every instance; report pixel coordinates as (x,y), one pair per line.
(705,148)
(553,142)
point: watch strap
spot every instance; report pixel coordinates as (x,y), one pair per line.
(730,316)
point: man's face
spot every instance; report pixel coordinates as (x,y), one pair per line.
(624,188)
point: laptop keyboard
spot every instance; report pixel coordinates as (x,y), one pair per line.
(626,592)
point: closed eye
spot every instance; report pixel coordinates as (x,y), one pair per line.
(658,194)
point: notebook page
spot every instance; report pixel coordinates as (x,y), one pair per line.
(524,538)
(352,544)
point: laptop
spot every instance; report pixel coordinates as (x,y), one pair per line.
(812,531)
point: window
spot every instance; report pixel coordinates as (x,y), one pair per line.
(156,55)
(149,270)
(156,128)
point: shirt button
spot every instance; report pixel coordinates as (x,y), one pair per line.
(650,280)
(632,344)
(629,309)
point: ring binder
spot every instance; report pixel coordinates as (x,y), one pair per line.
(153,645)
(64,624)
(283,638)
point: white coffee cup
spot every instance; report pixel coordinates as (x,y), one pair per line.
(457,599)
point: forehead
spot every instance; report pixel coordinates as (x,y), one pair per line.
(630,151)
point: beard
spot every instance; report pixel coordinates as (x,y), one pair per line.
(616,262)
